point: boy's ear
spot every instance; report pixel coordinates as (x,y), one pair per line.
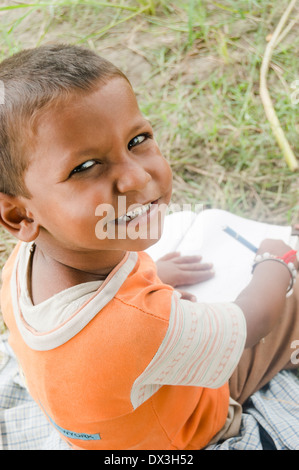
(16,219)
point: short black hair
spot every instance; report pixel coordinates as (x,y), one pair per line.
(31,80)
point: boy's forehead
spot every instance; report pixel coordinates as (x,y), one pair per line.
(104,98)
(79,118)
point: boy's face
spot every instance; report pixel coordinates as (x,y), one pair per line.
(95,158)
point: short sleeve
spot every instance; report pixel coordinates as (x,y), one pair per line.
(202,347)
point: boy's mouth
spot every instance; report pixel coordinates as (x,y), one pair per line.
(136,212)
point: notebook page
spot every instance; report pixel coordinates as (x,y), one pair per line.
(205,236)
(176,226)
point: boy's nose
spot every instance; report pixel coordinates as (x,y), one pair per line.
(131,177)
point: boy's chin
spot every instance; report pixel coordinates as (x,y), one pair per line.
(143,244)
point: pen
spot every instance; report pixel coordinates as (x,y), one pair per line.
(240,239)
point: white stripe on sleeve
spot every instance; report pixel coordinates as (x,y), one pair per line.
(202,347)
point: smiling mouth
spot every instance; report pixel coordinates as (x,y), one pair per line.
(136,212)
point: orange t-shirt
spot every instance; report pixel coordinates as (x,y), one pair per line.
(113,376)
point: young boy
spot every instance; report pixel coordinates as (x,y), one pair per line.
(114,357)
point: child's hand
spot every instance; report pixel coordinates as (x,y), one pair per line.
(177,270)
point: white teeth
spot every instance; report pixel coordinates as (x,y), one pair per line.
(135,213)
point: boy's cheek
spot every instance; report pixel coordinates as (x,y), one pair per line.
(163,170)
(168,178)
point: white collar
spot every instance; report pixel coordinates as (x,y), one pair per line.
(56,320)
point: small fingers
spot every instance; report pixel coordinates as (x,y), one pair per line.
(196,267)
(187,295)
(169,256)
(188,259)
(194,277)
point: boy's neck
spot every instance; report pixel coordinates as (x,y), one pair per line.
(51,274)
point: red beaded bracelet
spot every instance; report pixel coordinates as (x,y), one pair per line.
(289,257)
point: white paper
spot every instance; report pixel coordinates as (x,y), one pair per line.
(203,234)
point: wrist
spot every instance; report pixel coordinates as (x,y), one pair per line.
(288,261)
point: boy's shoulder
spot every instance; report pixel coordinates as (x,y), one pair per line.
(134,283)
(145,291)
(132,299)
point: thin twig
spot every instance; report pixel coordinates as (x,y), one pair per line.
(265,96)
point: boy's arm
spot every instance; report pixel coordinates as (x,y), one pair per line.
(263,300)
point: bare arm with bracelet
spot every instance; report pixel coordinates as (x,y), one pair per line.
(263,300)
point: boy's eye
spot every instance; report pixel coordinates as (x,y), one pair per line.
(138,140)
(83,167)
